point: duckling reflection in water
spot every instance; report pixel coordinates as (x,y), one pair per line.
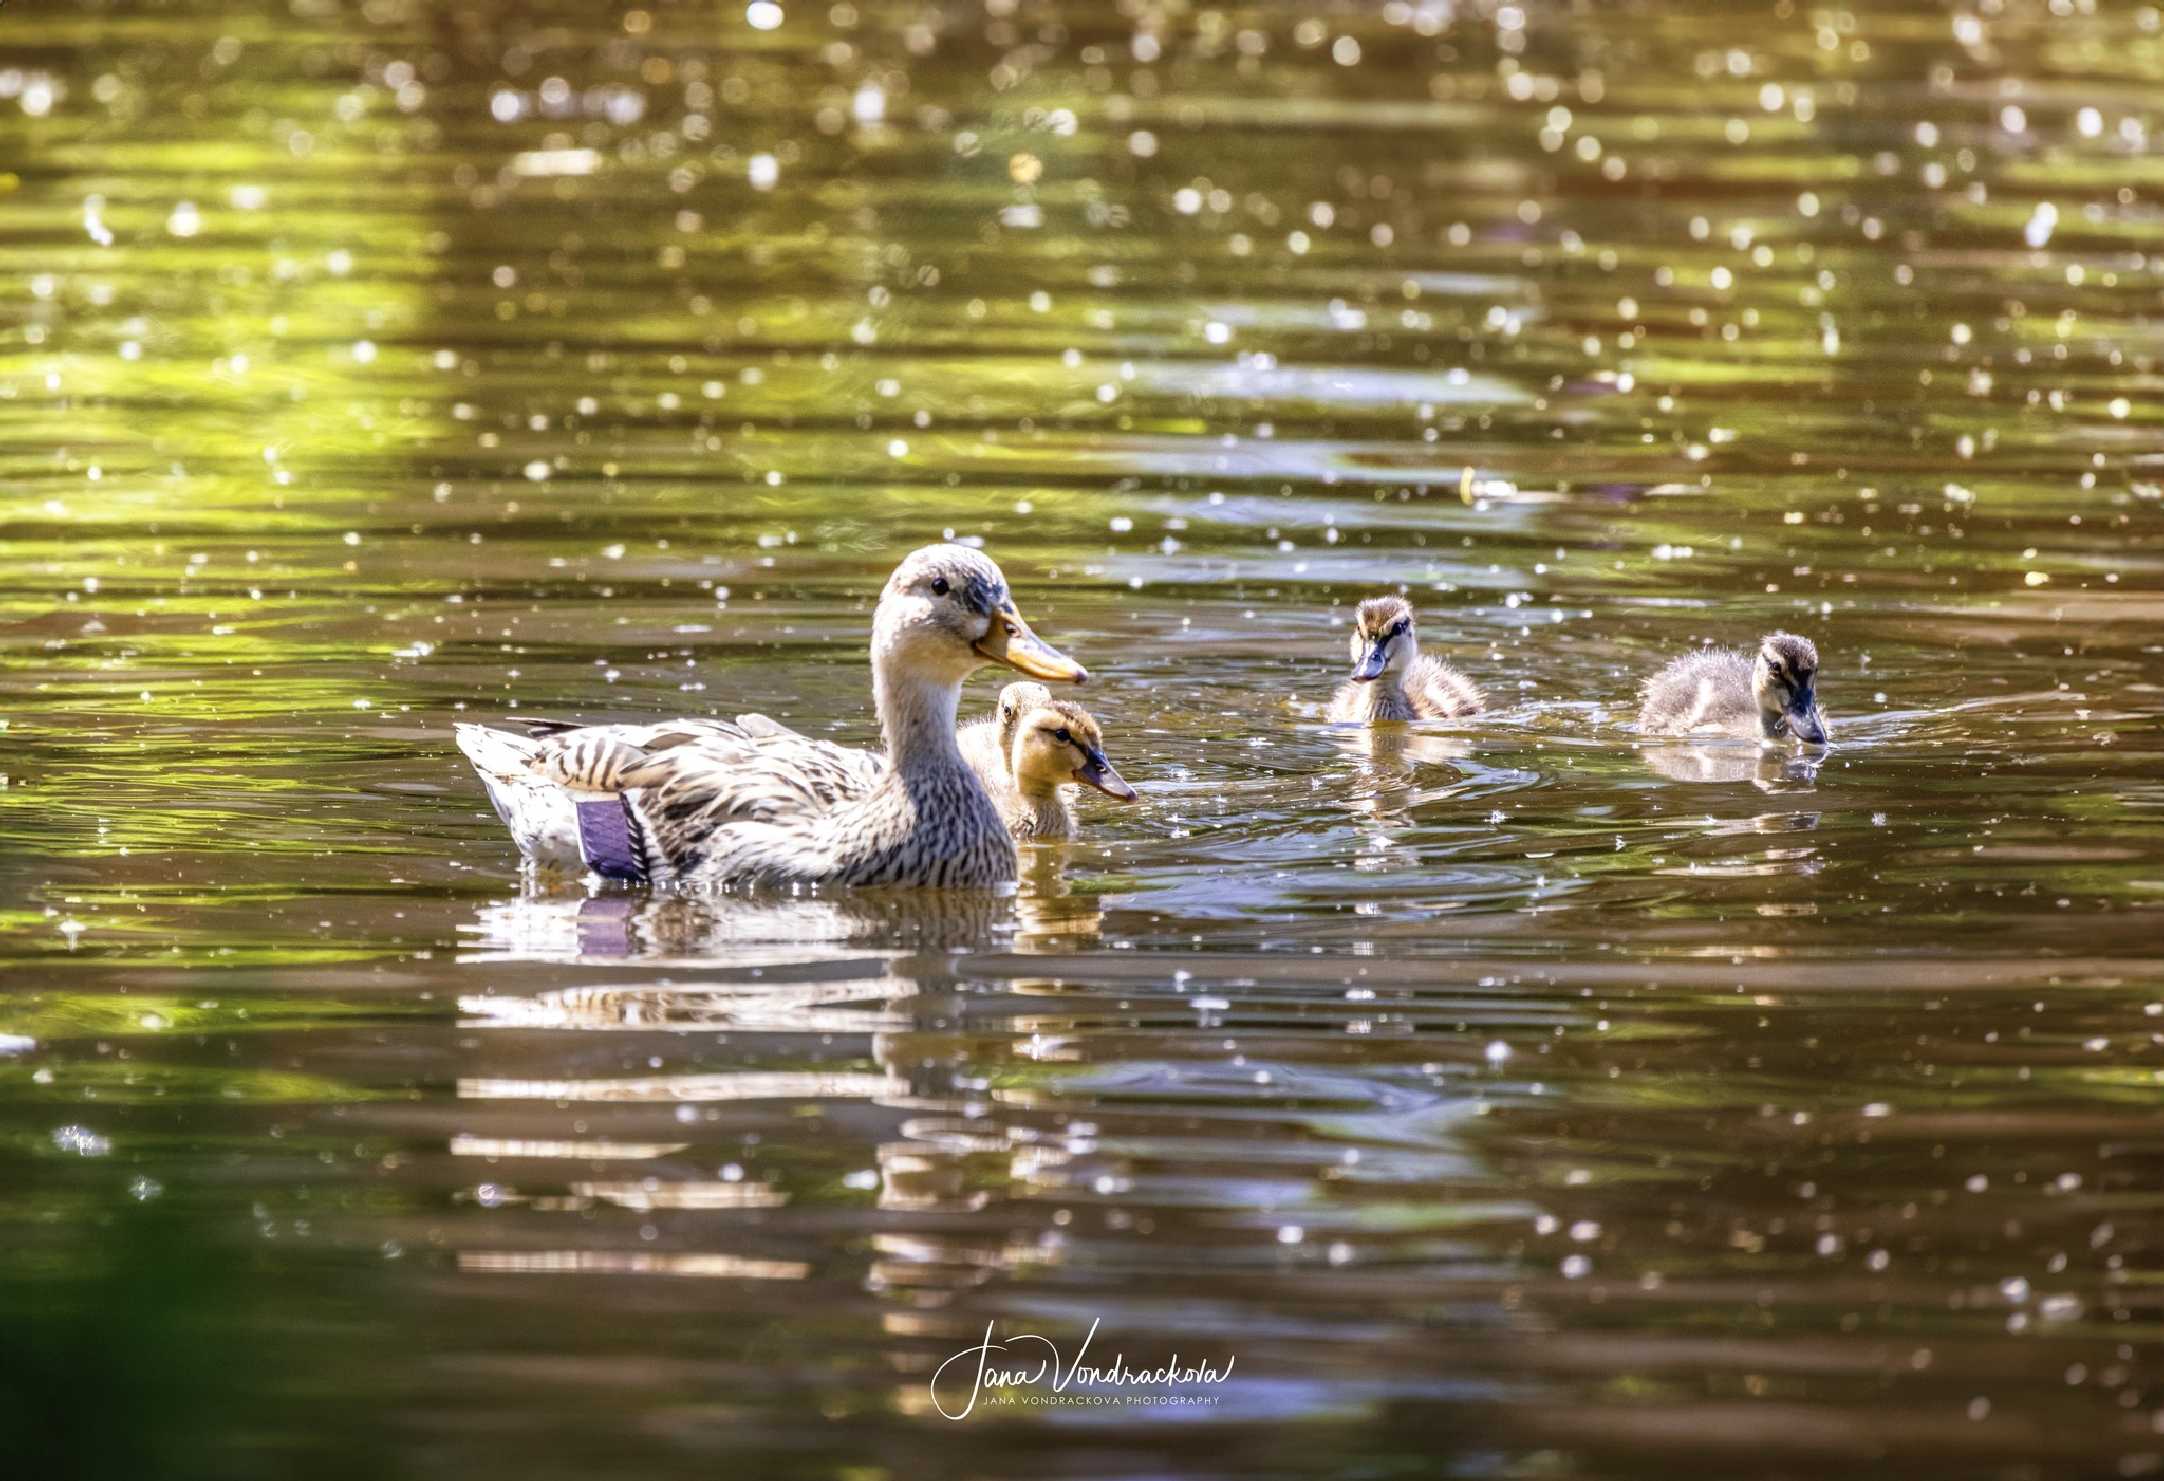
(1392,679)
(1722,692)
(1762,768)
(1032,753)
(1399,767)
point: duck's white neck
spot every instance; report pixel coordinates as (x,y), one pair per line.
(917,717)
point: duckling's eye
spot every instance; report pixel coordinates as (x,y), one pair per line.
(939,586)
(1064,736)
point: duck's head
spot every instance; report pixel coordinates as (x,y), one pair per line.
(1382,638)
(947,610)
(1785,679)
(1051,742)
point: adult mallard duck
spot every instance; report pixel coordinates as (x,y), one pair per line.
(1392,679)
(1720,691)
(754,803)
(1031,752)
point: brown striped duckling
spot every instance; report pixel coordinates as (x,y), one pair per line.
(1392,679)
(1722,691)
(1032,752)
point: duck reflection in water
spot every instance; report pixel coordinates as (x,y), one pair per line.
(564,922)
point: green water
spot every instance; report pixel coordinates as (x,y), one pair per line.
(1505,1099)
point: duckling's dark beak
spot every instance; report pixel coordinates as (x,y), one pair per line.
(1097,772)
(1370,668)
(1802,717)
(1012,643)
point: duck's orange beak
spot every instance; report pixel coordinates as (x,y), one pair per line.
(1012,643)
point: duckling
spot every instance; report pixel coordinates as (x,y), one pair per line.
(1031,751)
(1392,679)
(754,803)
(1720,691)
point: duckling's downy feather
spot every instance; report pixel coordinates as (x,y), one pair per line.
(1036,800)
(1392,679)
(1772,696)
(985,745)
(1432,690)
(1703,693)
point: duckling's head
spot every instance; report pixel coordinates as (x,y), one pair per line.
(1051,742)
(1785,679)
(1015,701)
(1382,638)
(947,610)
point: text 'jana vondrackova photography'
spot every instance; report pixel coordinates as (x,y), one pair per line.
(1082,740)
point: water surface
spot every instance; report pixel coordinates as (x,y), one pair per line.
(1505,1098)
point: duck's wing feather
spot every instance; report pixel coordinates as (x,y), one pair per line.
(641,800)
(681,788)
(559,788)
(836,773)
(761,749)
(651,733)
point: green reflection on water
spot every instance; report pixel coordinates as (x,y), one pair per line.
(1517,1098)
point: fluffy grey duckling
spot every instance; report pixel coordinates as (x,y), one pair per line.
(1392,679)
(1032,752)
(1721,691)
(754,803)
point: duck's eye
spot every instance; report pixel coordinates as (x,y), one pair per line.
(939,586)
(1064,736)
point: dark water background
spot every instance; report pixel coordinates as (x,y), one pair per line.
(1506,1100)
